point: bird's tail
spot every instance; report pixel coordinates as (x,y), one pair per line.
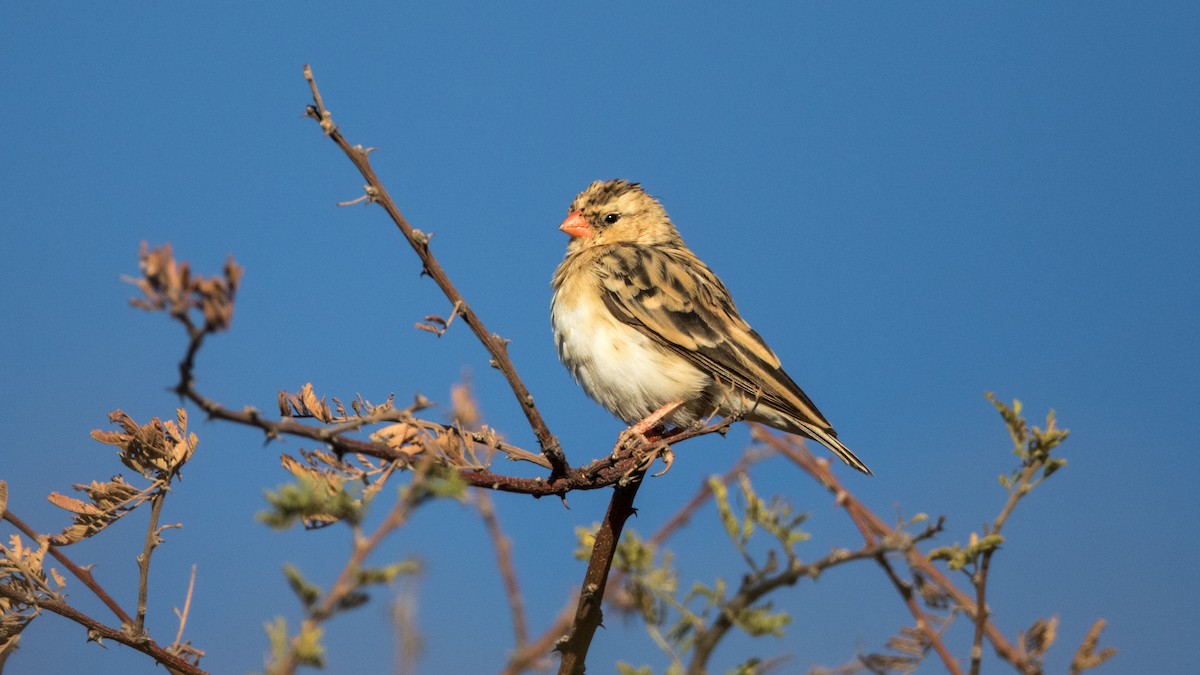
(828,439)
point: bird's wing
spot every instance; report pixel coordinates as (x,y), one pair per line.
(672,297)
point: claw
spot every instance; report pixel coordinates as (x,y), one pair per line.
(668,458)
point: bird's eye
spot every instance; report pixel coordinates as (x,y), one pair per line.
(612,218)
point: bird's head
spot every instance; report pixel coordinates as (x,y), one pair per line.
(617,212)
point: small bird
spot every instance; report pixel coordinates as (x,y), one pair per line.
(653,335)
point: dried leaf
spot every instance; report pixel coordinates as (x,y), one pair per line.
(395,435)
(72,535)
(73,505)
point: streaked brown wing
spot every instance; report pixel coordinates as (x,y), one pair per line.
(672,297)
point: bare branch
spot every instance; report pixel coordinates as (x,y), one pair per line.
(495,345)
(574,646)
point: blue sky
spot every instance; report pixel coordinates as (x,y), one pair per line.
(913,204)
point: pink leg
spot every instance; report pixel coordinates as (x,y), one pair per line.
(655,418)
(649,429)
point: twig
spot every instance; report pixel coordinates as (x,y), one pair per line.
(504,563)
(156,504)
(187,608)
(81,573)
(496,346)
(98,631)
(1004,649)
(574,646)
(981,613)
(980,577)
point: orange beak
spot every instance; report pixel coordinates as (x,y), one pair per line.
(576,225)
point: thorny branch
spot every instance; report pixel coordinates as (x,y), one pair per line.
(152,540)
(574,646)
(496,345)
(614,469)
(526,658)
(98,631)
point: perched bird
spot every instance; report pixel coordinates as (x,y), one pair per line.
(652,334)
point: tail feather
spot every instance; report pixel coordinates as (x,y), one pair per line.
(828,439)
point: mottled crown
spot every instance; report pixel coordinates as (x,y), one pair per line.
(603,192)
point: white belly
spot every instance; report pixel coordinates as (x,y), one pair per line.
(619,367)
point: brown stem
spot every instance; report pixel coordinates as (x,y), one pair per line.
(83,574)
(981,614)
(98,631)
(525,659)
(589,615)
(156,504)
(496,346)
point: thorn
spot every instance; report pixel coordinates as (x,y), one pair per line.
(352,202)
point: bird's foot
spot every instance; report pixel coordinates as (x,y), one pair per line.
(634,439)
(644,457)
(646,432)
